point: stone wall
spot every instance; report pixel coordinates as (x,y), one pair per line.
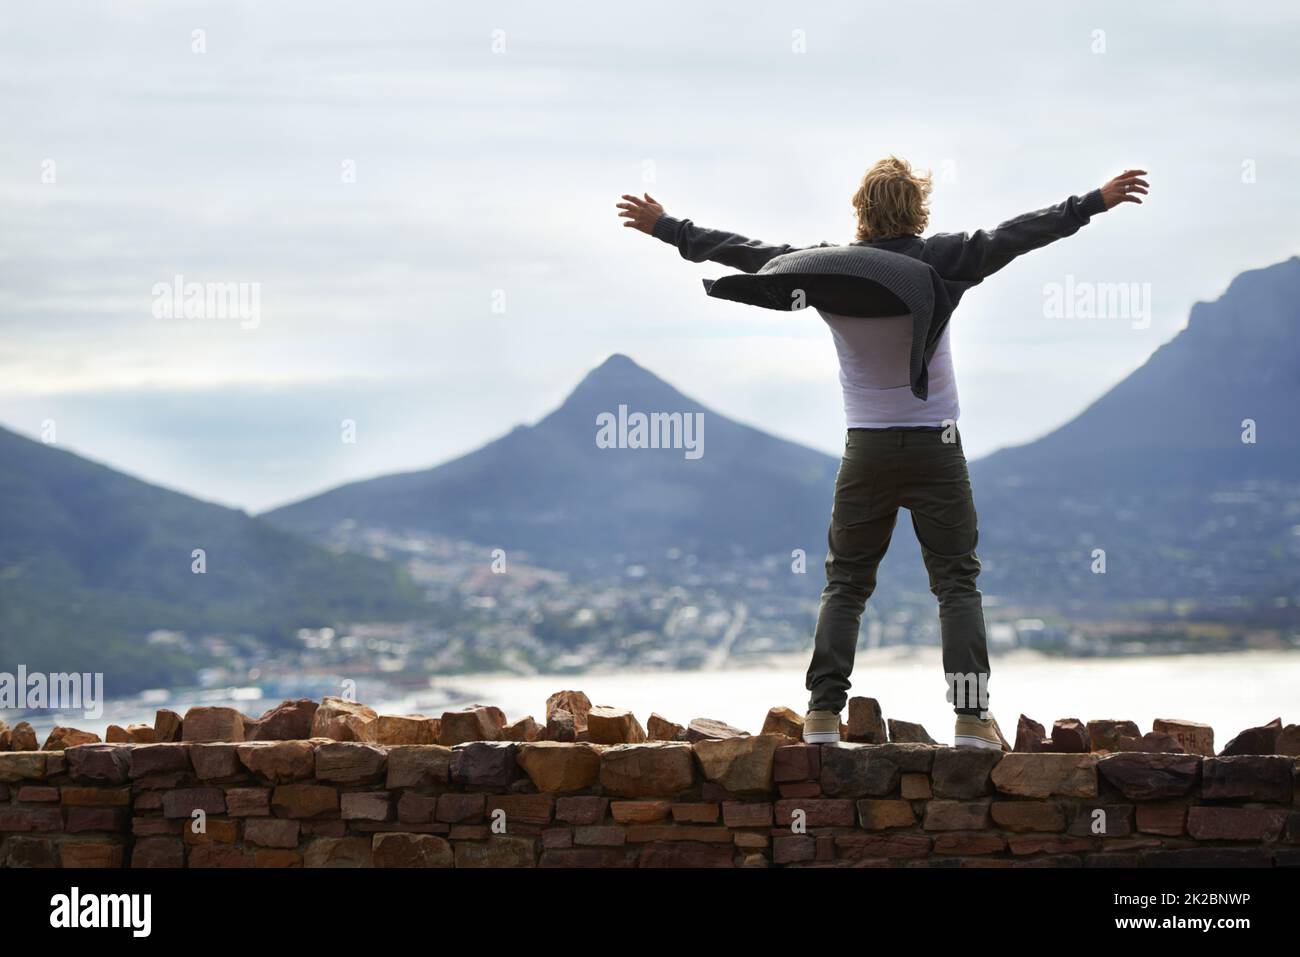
(752,800)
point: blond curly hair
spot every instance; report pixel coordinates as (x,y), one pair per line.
(892,200)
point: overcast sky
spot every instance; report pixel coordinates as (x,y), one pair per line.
(490,143)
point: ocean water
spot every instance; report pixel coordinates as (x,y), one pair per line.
(1227,691)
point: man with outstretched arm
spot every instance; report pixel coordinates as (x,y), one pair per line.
(902,448)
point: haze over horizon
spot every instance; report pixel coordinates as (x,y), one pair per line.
(377,296)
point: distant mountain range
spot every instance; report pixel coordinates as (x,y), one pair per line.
(1237,359)
(1154,472)
(552,491)
(92,560)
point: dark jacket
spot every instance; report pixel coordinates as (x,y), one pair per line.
(887,277)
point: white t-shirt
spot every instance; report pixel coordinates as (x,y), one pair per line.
(874,373)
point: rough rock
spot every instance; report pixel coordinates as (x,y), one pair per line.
(963,773)
(62,738)
(1153,742)
(411,850)
(560,726)
(418,766)
(248,802)
(709,729)
(1248,777)
(908,732)
(349,761)
(110,763)
(141,733)
(1261,740)
(607,725)
(342,720)
(558,767)
(183,802)
(956,815)
(291,720)
(1192,737)
(406,729)
(866,721)
(783,721)
(575,703)
(304,800)
(158,852)
(1288,740)
(475,723)
(1028,816)
(870,770)
(879,815)
(649,812)
(20,851)
(148,760)
(1235,824)
(215,762)
(339,852)
(23,737)
(279,761)
(1031,737)
(659,728)
(1047,774)
(1151,777)
(1106,732)
(116,734)
(272,831)
(485,765)
(741,765)
(205,723)
(366,806)
(653,769)
(1070,736)
(523,729)
(167,726)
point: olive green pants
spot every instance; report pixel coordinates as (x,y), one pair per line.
(882,471)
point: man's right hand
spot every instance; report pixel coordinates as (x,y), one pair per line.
(1124,188)
(640,213)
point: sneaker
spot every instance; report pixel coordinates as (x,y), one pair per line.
(821,727)
(973,732)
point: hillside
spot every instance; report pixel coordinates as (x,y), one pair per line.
(548,488)
(1156,472)
(91,560)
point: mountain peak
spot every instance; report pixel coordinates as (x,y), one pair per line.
(1258,306)
(620,380)
(618,360)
